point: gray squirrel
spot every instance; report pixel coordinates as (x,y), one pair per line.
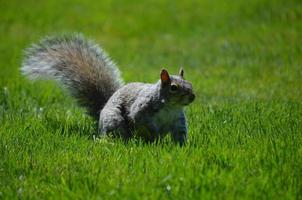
(147,110)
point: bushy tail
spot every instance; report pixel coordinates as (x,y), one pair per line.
(79,65)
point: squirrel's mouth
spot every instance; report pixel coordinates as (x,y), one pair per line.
(192,97)
(188,99)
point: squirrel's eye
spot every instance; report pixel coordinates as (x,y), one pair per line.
(174,88)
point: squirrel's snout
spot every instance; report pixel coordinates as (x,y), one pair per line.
(192,97)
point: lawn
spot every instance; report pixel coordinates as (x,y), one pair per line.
(244,59)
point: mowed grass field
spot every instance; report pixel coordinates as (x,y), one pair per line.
(244,59)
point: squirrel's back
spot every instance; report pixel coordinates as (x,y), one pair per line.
(78,64)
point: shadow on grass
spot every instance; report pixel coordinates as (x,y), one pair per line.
(69,126)
(88,128)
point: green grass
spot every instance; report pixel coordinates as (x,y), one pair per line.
(244,59)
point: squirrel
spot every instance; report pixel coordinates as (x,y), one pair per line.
(150,111)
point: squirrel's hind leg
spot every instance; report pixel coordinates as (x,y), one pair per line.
(112,122)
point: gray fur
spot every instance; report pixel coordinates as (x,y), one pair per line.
(148,110)
(78,64)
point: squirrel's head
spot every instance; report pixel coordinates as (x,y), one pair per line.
(176,89)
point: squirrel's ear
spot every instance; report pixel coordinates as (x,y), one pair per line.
(181,72)
(164,77)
